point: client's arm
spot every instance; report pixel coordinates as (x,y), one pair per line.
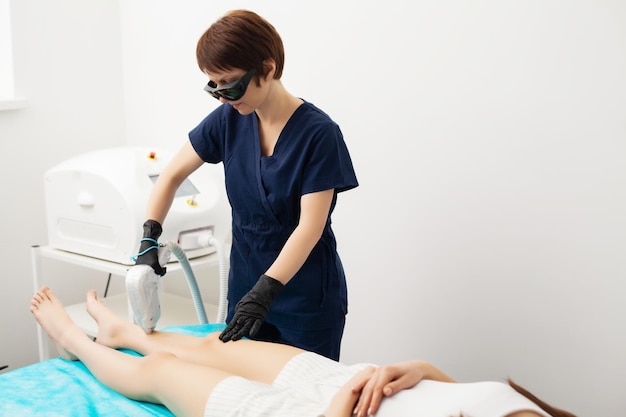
(388,380)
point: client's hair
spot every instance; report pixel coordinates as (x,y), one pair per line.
(554,412)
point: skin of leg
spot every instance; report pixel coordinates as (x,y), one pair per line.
(182,386)
(162,378)
(254,360)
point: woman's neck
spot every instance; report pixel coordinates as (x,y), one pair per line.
(278,106)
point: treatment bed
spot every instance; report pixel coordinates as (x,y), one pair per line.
(57,387)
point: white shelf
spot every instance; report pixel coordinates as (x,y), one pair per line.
(175,309)
(112,267)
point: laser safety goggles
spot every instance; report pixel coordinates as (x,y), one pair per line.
(231,91)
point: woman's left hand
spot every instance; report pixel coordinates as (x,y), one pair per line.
(375,383)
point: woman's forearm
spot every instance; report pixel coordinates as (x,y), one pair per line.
(293,255)
(314,212)
(160,200)
(175,172)
(430,371)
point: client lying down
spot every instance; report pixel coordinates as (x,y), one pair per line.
(194,376)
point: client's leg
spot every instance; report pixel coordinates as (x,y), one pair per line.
(161,378)
(259,361)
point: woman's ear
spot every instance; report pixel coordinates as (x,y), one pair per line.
(270,68)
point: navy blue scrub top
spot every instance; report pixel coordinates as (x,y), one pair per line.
(264,193)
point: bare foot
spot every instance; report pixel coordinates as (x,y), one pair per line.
(112,329)
(51,316)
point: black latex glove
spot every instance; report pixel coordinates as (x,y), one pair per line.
(251,310)
(151,230)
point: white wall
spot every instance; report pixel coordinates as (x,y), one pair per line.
(6,53)
(488,136)
(67,57)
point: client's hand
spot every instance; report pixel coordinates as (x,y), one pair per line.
(251,310)
(385,381)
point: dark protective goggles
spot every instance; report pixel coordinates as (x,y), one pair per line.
(231,91)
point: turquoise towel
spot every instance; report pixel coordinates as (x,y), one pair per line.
(57,387)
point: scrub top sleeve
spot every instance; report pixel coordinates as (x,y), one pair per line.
(208,137)
(329,164)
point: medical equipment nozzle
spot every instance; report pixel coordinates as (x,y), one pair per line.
(142,288)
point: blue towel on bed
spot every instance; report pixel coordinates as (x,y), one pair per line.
(57,387)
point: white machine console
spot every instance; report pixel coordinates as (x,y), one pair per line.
(96,204)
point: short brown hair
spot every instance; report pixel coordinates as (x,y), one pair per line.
(240,39)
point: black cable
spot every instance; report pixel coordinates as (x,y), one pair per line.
(106,290)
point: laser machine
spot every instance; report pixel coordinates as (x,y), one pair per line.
(96,204)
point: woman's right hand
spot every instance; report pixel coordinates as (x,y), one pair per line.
(149,247)
(384,381)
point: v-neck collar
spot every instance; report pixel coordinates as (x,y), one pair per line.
(283,133)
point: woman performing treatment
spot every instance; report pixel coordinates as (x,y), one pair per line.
(285,163)
(196,377)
